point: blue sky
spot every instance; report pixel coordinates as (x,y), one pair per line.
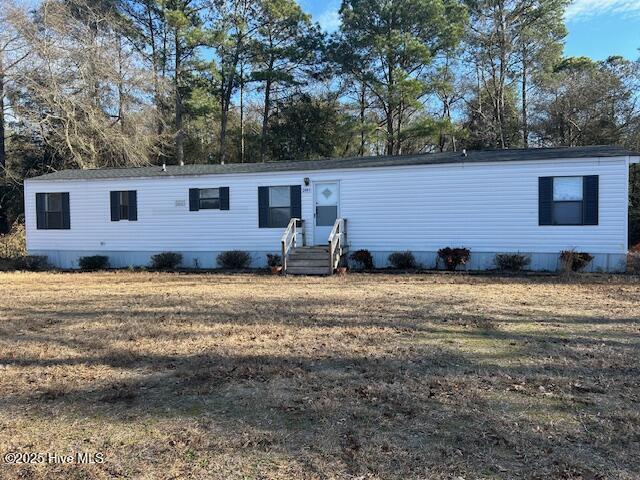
(597,28)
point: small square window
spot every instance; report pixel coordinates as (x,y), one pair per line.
(279,197)
(567,213)
(567,189)
(326,215)
(279,217)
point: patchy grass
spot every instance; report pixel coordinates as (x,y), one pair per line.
(368,376)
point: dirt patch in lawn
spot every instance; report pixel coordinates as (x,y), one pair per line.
(368,376)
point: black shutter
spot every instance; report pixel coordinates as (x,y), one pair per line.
(115,206)
(41,216)
(224,198)
(66,216)
(263,207)
(194,199)
(296,201)
(545,200)
(133,205)
(590,200)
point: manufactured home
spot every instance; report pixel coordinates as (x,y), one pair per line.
(533,201)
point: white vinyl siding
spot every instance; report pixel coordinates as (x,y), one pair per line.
(486,207)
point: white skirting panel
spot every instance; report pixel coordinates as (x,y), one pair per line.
(68,259)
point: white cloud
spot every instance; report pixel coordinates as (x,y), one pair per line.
(580,9)
(329,20)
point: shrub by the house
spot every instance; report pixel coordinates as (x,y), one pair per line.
(403,260)
(234,260)
(32,263)
(633,263)
(454,257)
(512,262)
(572,261)
(274,260)
(94,262)
(363,259)
(166,261)
(6,264)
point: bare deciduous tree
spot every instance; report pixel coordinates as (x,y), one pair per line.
(13,51)
(84,90)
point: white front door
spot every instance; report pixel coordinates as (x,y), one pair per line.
(327,203)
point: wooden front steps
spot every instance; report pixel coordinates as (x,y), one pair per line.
(308,261)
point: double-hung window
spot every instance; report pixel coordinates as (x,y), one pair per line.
(568,200)
(277,205)
(52,211)
(209,199)
(124,205)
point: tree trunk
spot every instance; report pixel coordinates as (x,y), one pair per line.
(223,138)
(3,157)
(225,101)
(242,113)
(398,142)
(362,99)
(93,27)
(525,125)
(501,81)
(178,95)
(390,111)
(390,133)
(224,104)
(121,100)
(157,100)
(265,113)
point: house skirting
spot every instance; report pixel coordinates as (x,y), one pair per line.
(68,259)
(543,262)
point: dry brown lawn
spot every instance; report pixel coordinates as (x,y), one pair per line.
(368,376)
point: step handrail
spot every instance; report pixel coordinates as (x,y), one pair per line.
(337,243)
(289,238)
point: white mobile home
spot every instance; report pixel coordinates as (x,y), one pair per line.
(533,201)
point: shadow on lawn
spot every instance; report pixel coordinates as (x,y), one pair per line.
(528,405)
(428,410)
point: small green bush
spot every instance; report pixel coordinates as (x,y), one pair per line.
(31,263)
(454,257)
(274,260)
(363,259)
(403,260)
(94,262)
(166,261)
(512,262)
(573,261)
(234,260)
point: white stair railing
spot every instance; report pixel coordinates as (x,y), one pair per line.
(289,238)
(337,243)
